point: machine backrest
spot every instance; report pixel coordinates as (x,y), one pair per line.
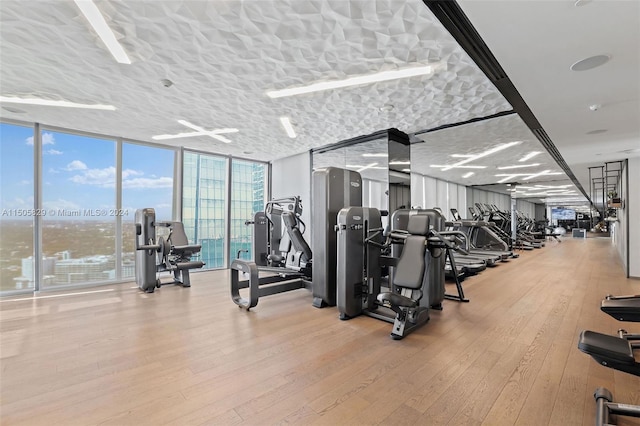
(299,244)
(410,270)
(178,236)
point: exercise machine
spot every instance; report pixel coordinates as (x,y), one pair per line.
(280,251)
(155,255)
(405,302)
(445,259)
(333,189)
(614,352)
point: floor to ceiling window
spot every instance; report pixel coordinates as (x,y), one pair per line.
(16,206)
(79,196)
(147,181)
(248,196)
(204,205)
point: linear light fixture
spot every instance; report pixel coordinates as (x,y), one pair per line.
(199,131)
(368,166)
(358,166)
(442,166)
(518,166)
(356,81)
(507,177)
(467,175)
(286,123)
(461,155)
(482,154)
(95,18)
(49,102)
(399,163)
(542,173)
(529,156)
(381,155)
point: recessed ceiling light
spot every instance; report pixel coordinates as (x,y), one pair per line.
(596,132)
(387,108)
(286,123)
(49,102)
(590,62)
(467,175)
(247,152)
(95,18)
(357,81)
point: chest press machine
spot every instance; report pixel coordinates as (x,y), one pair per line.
(407,300)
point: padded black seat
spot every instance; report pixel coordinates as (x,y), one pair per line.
(622,309)
(610,351)
(398,300)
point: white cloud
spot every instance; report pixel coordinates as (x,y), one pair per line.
(47,139)
(99,177)
(128,172)
(75,165)
(53,152)
(139,183)
(131,179)
(25,182)
(52,170)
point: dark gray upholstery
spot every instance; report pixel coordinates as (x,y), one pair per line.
(180,243)
(299,244)
(605,346)
(418,224)
(410,269)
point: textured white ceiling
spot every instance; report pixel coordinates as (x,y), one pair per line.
(223,56)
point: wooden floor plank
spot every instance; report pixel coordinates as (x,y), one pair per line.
(190,356)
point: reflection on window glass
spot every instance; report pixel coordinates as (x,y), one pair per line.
(78,194)
(16,206)
(147,181)
(203,205)
(247,198)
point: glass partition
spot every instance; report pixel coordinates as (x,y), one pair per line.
(147,181)
(248,196)
(204,198)
(16,207)
(79,196)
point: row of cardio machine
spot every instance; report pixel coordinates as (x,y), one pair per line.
(396,273)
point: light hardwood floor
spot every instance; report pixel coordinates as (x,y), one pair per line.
(190,356)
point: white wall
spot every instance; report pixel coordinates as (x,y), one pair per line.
(292,176)
(632,209)
(428,192)
(475,195)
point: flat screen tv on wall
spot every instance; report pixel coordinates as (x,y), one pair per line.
(560,213)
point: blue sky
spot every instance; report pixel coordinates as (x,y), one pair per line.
(79,173)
